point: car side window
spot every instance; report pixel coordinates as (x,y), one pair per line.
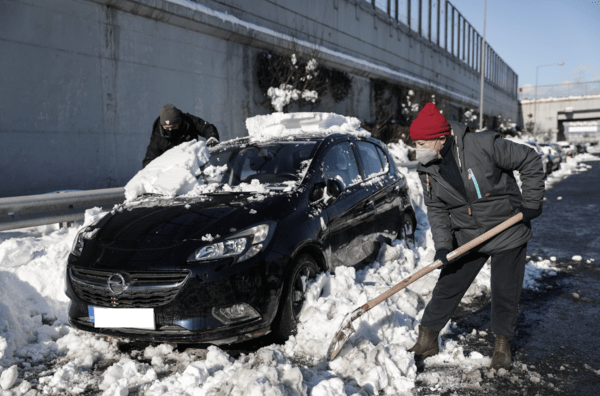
(370,159)
(339,162)
(384,159)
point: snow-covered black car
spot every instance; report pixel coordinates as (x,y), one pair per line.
(233,263)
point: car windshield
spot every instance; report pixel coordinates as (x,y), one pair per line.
(275,165)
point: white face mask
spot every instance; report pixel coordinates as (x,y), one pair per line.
(425,156)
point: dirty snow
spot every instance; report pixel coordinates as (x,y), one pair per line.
(39,350)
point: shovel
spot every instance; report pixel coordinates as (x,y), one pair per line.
(346,328)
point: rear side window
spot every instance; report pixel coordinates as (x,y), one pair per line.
(340,163)
(370,159)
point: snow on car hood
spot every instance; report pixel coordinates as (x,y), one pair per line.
(276,125)
(174,220)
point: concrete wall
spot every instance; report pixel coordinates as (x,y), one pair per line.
(552,112)
(81,81)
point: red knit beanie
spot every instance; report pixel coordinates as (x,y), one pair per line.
(429,124)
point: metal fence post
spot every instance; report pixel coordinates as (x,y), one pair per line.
(446,27)
(463,37)
(420,17)
(452,7)
(438,23)
(429,23)
(468,44)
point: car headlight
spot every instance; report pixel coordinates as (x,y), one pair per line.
(244,245)
(78,243)
(85,234)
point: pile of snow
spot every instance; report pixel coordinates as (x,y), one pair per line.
(276,125)
(173,173)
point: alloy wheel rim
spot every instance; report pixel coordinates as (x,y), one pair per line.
(299,288)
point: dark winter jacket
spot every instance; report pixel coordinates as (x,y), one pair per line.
(191,128)
(486,163)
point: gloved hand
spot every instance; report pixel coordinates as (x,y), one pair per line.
(212,142)
(441,254)
(529,214)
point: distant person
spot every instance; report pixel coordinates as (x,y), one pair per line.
(469,188)
(174,127)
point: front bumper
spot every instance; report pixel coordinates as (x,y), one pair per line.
(188,316)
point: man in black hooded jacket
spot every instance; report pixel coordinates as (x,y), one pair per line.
(469,188)
(174,127)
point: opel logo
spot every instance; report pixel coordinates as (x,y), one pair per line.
(117,284)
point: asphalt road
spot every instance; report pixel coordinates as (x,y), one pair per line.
(557,350)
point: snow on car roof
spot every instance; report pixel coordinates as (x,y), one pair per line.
(278,125)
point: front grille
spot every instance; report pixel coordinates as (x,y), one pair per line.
(147,289)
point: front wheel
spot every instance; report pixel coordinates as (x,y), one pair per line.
(304,269)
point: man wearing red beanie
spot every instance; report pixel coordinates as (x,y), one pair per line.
(469,188)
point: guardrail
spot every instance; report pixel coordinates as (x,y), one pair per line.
(36,210)
(67,207)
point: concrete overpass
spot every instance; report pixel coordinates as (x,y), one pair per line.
(573,118)
(81,81)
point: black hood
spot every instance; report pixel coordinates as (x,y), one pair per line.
(166,223)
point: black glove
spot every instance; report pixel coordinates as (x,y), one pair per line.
(530,214)
(212,142)
(441,254)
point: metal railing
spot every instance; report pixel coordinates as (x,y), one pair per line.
(440,22)
(36,210)
(573,88)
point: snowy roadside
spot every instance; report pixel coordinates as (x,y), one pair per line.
(41,353)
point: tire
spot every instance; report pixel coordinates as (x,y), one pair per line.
(292,298)
(408,225)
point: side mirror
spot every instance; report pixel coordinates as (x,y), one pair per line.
(334,187)
(317,192)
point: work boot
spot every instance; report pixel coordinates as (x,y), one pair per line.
(502,358)
(427,343)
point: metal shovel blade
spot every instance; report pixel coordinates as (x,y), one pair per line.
(344,332)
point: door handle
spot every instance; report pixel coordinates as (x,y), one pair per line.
(369,206)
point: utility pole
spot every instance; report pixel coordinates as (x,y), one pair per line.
(482,70)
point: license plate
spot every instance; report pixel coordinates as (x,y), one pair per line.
(132,318)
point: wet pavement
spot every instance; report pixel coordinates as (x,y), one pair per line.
(557,349)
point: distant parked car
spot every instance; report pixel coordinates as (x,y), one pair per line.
(546,160)
(581,149)
(560,151)
(234,264)
(552,154)
(569,149)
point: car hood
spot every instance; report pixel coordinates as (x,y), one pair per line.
(166,223)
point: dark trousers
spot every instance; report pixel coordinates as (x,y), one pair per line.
(508,268)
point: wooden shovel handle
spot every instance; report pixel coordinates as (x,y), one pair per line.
(436,264)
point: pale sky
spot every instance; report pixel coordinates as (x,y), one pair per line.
(529,33)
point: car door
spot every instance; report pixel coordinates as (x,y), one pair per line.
(348,213)
(379,184)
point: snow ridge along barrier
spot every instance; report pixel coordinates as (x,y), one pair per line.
(36,210)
